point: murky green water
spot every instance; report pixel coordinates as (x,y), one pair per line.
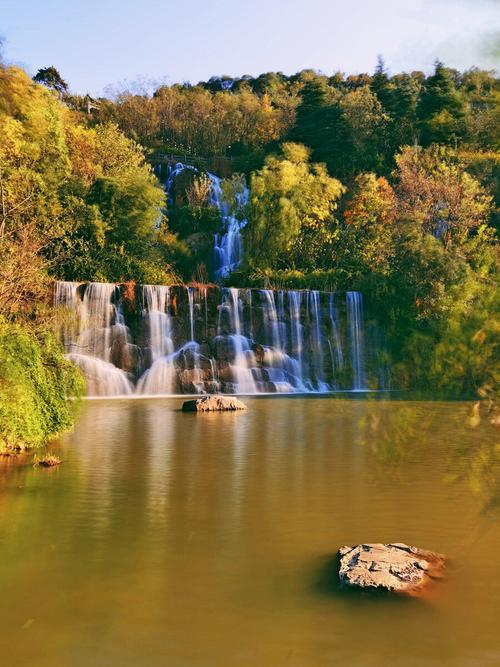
(207,540)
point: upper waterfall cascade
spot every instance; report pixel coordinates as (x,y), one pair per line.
(158,339)
(228,247)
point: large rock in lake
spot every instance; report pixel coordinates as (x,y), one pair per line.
(391,567)
(213,404)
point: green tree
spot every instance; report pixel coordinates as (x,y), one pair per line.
(34,163)
(381,85)
(116,205)
(291,210)
(440,110)
(367,124)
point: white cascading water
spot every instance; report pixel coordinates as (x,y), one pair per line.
(242,358)
(355,318)
(271,319)
(253,341)
(161,376)
(172,173)
(191,311)
(296,327)
(334,341)
(228,246)
(317,340)
(99,325)
(167,362)
(283,371)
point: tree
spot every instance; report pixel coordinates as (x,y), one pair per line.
(50,77)
(314,100)
(440,109)
(321,126)
(116,204)
(482,92)
(366,244)
(438,196)
(34,164)
(381,85)
(366,123)
(291,210)
(403,109)
(79,199)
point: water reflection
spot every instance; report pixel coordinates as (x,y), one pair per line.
(398,434)
(169,538)
(475,458)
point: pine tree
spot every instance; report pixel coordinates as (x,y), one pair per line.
(440,109)
(381,85)
(50,77)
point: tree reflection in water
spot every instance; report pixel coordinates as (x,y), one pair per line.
(397,434)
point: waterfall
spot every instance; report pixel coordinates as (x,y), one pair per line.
(228,247)
(240,357)
(172,172)
(177,339)
(96,338)
(296,328)
(355,318)
(335,344)
(160,378)
(316,341)
(157,302)
(191,311)
(284,371)
(271,319)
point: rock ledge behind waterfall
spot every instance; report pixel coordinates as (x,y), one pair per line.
(394,567)
(213,404)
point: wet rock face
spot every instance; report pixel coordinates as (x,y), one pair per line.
(213,404)
(395,567)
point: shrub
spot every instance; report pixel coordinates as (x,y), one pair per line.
(37,385)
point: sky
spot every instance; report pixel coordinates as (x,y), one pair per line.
(100,43)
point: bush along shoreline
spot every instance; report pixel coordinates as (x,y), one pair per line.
(39,387)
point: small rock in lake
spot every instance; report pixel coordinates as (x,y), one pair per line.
(213,404)
(392,567)
(47,461)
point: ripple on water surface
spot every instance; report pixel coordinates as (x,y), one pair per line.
(207,540)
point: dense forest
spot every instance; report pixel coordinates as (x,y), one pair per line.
(383,183)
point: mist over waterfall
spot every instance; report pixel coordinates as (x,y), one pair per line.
(159,339)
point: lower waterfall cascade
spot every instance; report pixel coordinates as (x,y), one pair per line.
(158,339)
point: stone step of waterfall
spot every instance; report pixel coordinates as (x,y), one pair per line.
(276,375)
(257,374)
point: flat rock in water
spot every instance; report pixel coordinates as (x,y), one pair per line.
(213,404)
(392,567)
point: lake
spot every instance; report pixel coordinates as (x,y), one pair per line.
(184,540)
